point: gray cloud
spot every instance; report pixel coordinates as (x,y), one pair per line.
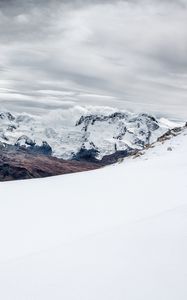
(127,54)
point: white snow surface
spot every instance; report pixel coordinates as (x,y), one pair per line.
(112,234)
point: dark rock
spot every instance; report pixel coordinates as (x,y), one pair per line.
(150,121)
(115,157)
(24,140)
(44,149)
(88,155)
(11,128)
(17,163)
(118,115)
(122,133)
(170,133)
(7,116)
(91,119)
(151,118)
(4,137)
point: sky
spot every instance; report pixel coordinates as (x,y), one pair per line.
(124,54)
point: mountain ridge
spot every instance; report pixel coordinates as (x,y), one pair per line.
(104,134)
(19,162)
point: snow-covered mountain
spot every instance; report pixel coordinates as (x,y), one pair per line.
(103,133)
(114,233)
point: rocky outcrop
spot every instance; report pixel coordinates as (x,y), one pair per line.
(89,155)
(118,132)
(24,142)
(7,116)
(117,156)
(171,133)
(18,163)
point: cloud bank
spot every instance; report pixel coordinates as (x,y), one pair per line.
(126,54)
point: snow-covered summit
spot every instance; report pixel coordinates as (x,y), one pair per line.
(119,131)
(104,133)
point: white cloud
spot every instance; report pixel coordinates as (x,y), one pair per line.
(131,52)
(22,19)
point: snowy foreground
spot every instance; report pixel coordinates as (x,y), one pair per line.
(115,233)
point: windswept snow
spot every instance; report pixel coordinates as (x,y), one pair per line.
(111,234)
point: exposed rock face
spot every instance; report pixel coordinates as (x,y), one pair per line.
(118,132)
(21,163)
(171,133)
(25,142)
(86,155)
(7,116)
(17,163)
(117,156)
(91,156)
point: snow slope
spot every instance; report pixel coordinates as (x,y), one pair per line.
(111,234)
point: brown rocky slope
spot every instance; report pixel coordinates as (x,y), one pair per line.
(20,164)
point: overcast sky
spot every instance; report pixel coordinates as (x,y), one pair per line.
(125,54)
